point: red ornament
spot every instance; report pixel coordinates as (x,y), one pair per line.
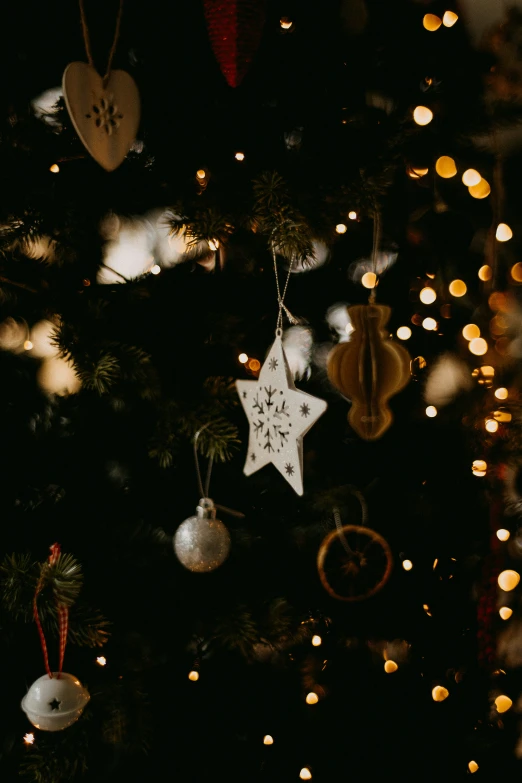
(235,28)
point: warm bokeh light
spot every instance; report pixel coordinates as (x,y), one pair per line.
(422,115)
(502,415)
(516,272)
(445,167)
(439,693)
(503,534)
(427,609)
(484,374)
(404,332)
(28,345)
(407,565)
(480,190)
(369,280)
(28,739)
(201,174)
(101,660)
(501,393)
(505,612)
(390,667)
(431,411)
(268,739)
(478,346)
(430,324)
(503,703)
(312,698)
(285,23)
(193,676)
(479,467)
(54,169)
(427,295)
(471,332)
(485,273)
(239,156)
(471,177)
(449,18)
(498,301)
(414,172)
(254,365)
(504,232)
(213,244)
(457,288)
(352,215)
(155,269)
(316,640)
(305,774)
(508,580)
(431,22)
(473,766)
(341,228)
(491,425)
(242,358)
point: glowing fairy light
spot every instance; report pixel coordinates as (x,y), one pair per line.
(481,190)
(485,273)
(28,345)
(305,774)
(479,467)
(516,272)
(503,233)
(457,288)
(449,18)
(352,215)
(508,580)
(101,660)
(239,156)
(54,169)
(431,411)
(201,174)
(213,244)
(503,534)
(312,698)
(470,332)
(491,425)
(29,739)
(473,766)
(503,703)
(286,23)
(478,346)
(404,332)
(242,358)
(422,115)
(407,565)
(268,739)
(439,693)
(431,22)
(430,324)
(155,270)
(390,667)
(427,295)
(369,280)
(505,612)
(193,676)
(254,365)
(471,177)
(316,640)
(501,393)
(341,228)
(445,167)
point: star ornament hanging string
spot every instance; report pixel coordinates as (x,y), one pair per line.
(279,415)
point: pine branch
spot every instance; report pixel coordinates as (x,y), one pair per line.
(18,578)
(87,626)
(204,225)
(218,437)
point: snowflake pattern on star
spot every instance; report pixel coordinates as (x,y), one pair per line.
(279,416)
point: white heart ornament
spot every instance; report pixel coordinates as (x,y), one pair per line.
(106,118)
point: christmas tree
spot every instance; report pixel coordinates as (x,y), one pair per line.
(259,342)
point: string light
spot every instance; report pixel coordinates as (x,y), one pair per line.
(471,332)
(473,766)
(352,215)
(201,174)
(431,411)
(508,580)
(416,173)
(427,295)
(316,640)
(242,358)
(254,365)
(341,228)
(404,332)
(193,676)
(390,667)
(369,280)
(312,698)
(430,324)
(28,345)
(485,272)
(305,774)
(213,244)
(491,425)
(484,375)
(505,612)
(285,23)
(101,660)
(503,534)
(422,115)
(28,739)
(407,565)
(503,233)
(445,167)
(478,346)
(239,156)
(268,740)
(155,269)
(431,22)
(501,393)
(479,467)
(503,703)
(457,288)
(439,693)
(54,169)
(449,18)
(481,190)
(471,177)
(427,609)
(516,272)
(502,415)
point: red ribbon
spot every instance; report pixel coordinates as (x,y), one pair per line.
(63,615)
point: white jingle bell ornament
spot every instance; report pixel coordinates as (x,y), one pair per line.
(53,703)
(202,543)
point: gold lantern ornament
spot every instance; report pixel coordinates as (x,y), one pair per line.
(369,369)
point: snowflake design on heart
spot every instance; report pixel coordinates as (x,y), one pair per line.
(106,115)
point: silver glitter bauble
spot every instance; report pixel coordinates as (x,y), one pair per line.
(202,543)
(53,703)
